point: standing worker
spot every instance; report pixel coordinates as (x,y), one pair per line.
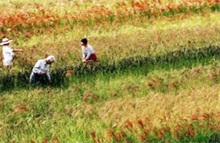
(88,54)
(8,53)
(41,69)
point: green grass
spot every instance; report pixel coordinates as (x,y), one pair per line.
(172,60)
(173,98)
(175,33)
(71,114)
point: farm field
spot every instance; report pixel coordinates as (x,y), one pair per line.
(157,79)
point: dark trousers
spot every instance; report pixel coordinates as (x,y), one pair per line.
(37,78)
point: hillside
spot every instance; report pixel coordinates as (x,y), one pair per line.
(157,79)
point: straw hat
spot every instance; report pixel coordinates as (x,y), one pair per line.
(5,41)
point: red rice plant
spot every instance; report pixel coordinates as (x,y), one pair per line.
(205,116)
(94,137)
(43,17)
(32,141)
(217,115)
(191,131)
(217,127)
(89,96)
(160,134)
(45,141)
(55,140)
(129,125)
(69,73)
(140,123)
(20,108)
(142,137)
(194,117)
(110,133)
(177,131)
(118,136)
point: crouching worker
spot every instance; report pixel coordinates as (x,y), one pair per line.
(88,54)
(41,70)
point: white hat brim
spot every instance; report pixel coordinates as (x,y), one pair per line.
(3,43)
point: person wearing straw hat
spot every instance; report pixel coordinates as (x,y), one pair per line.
(41,69)
(8,52)
(88,54)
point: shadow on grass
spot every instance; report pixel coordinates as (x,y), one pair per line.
(104,70)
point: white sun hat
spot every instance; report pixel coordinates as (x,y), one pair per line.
(5,41)
(51,58)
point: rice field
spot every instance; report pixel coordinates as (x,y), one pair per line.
(157,79)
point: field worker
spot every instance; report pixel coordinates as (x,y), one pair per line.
(41,69)
(8,52)
(88,54)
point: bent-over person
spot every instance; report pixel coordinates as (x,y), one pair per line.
(88,53)
(41,69)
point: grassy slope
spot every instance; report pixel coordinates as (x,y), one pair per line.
(191,31)
(108,101)
(69,115)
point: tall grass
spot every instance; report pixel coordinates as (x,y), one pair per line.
(110,42)
(106,106)
(157,79)
(25,20)
(169,61)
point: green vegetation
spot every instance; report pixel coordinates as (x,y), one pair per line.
(157,79)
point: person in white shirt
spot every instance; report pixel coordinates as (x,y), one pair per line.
(41,69)
(8,52)
(88,54)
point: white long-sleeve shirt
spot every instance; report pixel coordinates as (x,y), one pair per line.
(8,54)
(41,66)
(87,52)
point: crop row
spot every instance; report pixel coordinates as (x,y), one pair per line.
(21,80)
(42,20)
(171,60)
(196,128)
(188,115)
